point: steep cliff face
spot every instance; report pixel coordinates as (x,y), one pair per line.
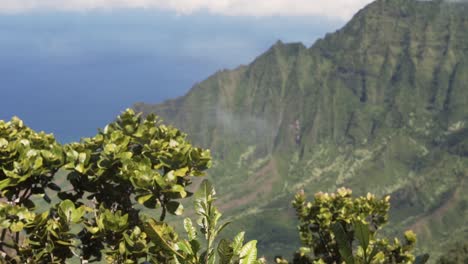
(380,106)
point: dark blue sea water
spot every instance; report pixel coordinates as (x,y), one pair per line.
(71,73)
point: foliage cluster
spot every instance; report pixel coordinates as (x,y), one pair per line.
(137,162)
(337,228)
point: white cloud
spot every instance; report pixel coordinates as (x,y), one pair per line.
(342,9)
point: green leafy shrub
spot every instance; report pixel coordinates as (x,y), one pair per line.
(133,160)
(337,228)
(190,250)
(137,162)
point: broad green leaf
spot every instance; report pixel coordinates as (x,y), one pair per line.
(122,248)
(212,258)
(343,244)
(93,230)
(5,183)
(66,209)
(54,187)
(225,251)
(175,208)
(185,247)
(181,172)
(110,148)
(362,233)
(220,228)
(143,198)
(373,253)
(195,244)
(80,168)
(126,155)
(128,240)
(17,226)
(170,176)
(82,157)
(78,213)
(248,253)
(238,242)
(29,204)
(3,143)
(46,198)
(191,231)
(158,232)
(205,191)
(38,163)
(177,192)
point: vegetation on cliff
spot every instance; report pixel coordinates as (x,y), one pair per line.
(135,163)
(379,105)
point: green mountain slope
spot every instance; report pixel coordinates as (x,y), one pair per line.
(379,106)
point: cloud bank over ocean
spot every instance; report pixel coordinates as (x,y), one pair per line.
(342,9)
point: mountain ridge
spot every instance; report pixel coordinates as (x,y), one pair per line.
(377,106)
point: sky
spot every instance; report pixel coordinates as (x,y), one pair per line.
(343,9)
(70,67)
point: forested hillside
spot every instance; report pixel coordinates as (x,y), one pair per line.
(378,106)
